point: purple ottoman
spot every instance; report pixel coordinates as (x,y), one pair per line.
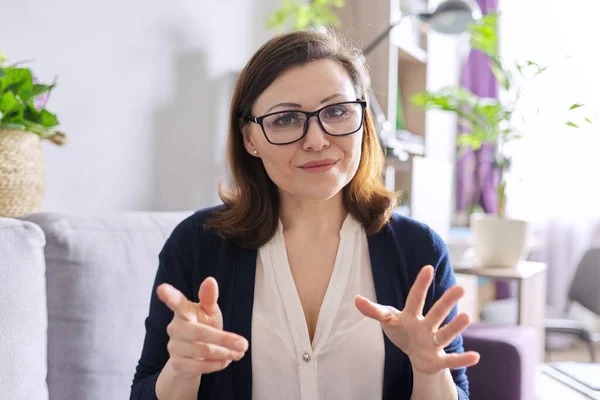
(509,359)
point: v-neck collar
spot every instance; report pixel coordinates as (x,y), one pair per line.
(275,257)
(386,261)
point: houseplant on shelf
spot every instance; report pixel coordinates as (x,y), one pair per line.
(301,15)
(24,122)
(500,241)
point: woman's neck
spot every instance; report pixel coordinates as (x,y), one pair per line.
(313,217)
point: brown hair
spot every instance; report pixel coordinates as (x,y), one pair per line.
(251,211)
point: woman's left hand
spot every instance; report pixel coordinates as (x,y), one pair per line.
(421,338)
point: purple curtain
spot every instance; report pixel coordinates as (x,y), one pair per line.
(476,176)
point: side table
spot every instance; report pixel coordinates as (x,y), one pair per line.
(531,299)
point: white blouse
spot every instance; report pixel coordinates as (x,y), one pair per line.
(346,358)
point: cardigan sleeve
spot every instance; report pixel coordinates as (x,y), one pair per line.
(175,265)
(444,280)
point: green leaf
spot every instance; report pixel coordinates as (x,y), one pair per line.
(302,14)
(501,76)
(15,79)
(512,136)
(277,19)
(11,125)
(470,141)
(35,128)
(572,124)
(450,99)
(41,89)
(327,17)
(47,119)
(464,139)
(12,110)
(31,114)
(576,105)
(589,121)
(8,102)
(17,101)
(481,116)
(303,17)
(484,36)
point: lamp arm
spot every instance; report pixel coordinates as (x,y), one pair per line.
(382,36)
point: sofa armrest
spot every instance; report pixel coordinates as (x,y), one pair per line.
(23,312)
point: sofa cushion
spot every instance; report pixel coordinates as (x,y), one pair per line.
(100,271)
(23,315)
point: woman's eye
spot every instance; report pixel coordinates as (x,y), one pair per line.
(286,119)
(335,112)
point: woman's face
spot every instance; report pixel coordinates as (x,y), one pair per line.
(319,165)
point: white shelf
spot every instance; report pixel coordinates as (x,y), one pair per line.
(411,52)
(412,60)
(406,37)
(414,144)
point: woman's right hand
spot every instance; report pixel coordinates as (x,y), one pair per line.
(197,343)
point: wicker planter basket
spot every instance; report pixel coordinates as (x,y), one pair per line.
(22,174)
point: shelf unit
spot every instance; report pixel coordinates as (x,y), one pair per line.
(411,59)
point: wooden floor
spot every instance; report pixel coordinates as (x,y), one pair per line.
(548,388)
(577,352)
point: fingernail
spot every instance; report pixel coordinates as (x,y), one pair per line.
(240,345)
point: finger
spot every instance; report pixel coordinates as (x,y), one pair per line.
(208,334)
(440,310)
(447,334)
(192,366)
(207,351)
(374,310)
(176,301)
(208,295)
(418,292)
(460,360)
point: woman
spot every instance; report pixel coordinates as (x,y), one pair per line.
(274,294)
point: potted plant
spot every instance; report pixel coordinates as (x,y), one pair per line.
(500,241)
(24,122)
(315,14)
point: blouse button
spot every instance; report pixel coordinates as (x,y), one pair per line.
(306,357)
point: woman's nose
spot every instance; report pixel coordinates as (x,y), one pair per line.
(315,139)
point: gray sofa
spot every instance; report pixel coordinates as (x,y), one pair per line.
(74,294)
(75,291)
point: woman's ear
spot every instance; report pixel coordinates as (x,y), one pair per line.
(248,142)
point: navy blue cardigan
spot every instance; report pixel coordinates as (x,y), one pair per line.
(192,253)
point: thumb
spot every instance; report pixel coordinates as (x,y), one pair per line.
(208,296)
(373,310)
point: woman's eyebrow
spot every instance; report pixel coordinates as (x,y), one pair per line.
(296,105)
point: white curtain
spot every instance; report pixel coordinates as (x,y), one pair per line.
(555,180)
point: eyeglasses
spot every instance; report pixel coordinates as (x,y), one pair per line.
(289,126)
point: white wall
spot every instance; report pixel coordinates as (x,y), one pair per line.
(143,94)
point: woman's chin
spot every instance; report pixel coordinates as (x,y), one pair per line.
(319,192)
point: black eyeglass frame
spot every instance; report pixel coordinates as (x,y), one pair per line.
(309,115)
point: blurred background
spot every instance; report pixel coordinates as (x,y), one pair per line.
(144,93)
